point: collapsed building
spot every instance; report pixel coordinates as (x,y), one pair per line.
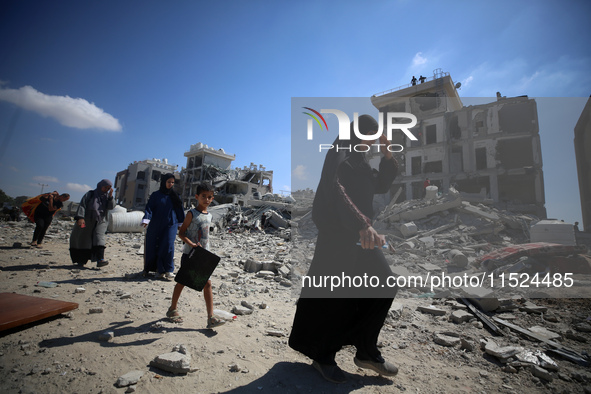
(240,186)
(141,178)
(583,157)
(490,152)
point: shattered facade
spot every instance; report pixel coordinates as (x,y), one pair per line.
(232,185)
(141,178)
(583,157)
(490,152)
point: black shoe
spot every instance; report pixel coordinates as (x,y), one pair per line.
(332,373)
(385,368)
(102,263)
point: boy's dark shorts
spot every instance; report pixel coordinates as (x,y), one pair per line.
(184,258)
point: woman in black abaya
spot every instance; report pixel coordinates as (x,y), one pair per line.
(327,319)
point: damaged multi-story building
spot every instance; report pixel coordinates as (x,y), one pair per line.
(141,178)
(583,157)
(233,185)
(489,152)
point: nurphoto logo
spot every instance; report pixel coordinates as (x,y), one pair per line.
(345,131)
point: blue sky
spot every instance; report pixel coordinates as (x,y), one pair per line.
(88,87)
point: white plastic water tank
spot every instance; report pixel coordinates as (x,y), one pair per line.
(121,221)
(431,192)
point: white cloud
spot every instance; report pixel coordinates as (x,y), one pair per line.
(300,173)
(49,179)
(71,112)
(418,59)
(76,187)
(466,82)
(13,168)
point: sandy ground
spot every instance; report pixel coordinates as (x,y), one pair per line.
(64,354)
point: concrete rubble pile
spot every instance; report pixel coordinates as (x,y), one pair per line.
(445,235)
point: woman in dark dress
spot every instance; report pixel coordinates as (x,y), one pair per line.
(328,319)
(164,214)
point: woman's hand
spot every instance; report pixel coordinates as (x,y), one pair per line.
(369,238)
(384,143)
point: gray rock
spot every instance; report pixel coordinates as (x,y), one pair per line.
(246,304)
(283,271)
(106,336)
(129,378)
(583,327)
(541,373)
(467,345)
(240,310)
(95,310)
(174,362)
(275,333)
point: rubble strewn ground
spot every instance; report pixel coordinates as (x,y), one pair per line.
(127,344)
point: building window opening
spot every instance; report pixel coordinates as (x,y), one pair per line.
(481,159)
(416,164)
(431,134)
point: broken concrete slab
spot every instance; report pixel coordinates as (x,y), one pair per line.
(422,212)
(432,310)
(544,332)
(502,353)
(469,208)
(445,339)
(460,316)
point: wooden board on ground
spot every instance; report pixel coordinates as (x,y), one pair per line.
(18,309)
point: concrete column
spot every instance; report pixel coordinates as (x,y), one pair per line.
(494,186)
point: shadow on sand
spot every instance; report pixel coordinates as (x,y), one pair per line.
(296,377)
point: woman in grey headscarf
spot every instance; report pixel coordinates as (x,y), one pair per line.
(87,241)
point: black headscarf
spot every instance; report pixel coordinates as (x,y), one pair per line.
(176,201)
(324,208)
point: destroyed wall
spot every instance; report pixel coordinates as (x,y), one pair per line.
(583,157)
(491,153)
(204,163)
(236,186)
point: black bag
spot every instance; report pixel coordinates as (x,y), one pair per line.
(197,268)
